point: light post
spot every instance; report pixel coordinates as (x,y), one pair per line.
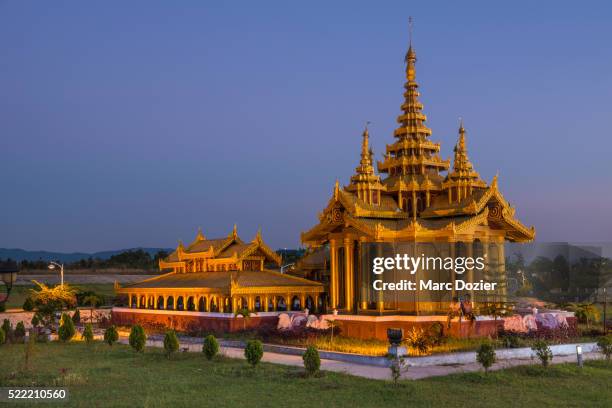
(53,265)
(579,356)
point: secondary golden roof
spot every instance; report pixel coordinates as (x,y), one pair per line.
(224,282)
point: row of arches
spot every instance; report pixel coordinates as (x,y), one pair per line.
(222,304)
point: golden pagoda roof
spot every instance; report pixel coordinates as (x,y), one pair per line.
(222,281)
(449,204)
(231,246)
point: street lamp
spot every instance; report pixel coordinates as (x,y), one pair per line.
(53,265)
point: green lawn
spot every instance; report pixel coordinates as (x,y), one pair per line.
(117,377)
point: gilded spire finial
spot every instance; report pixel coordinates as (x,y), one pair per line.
(336,189)
(365,148)
(180,245)
(200,236)
(234,233)
(410,24)
(258,235)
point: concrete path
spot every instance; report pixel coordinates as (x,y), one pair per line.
(373,372)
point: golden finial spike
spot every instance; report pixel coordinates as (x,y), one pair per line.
(200,236)
(235,231)
(336,189)
(410,24)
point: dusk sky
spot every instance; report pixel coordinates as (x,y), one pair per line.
(127,124)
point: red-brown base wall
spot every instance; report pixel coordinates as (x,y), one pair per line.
(193,324)
(378,330)
(350,328)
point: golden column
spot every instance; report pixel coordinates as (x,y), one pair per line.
(470,271)
(348,273)
(333,282)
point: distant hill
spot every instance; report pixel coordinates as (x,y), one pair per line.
(21,254)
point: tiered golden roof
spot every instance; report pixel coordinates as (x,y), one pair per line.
(414,190)
(413,162)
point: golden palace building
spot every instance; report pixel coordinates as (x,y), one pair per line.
(421,199)
(212,279)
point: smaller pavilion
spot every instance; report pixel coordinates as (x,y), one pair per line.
(223,275)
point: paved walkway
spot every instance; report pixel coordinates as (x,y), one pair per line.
(373,372)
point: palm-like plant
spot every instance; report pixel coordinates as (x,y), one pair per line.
(245,313)
(93,301)
(585,312)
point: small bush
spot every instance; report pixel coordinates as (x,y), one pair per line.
(35,320)
(253,352)
(111,336)
(312,362)
(76,317)
(19,332)
(8,330)
(88,333)
(210,348)
(511,340)
(28,304)
(543,352)
(605,345)
(138,338)
(2,336)
(171,343)
(485,355)
(418,340)
(2,307)
(66,329)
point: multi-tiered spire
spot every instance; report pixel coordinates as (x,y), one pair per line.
(412,163)
(463,179)
(365,182)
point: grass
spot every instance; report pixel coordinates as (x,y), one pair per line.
(20,292)
(118,377)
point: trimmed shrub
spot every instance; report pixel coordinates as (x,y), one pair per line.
(111,336)
(19,332)
(138,338)
(312,362)
(28,304)
(66,329)
(35,320)
(605,345)
(210,348)
(2,336)
(543,352)
(171,343)
(485,355)
(88,333)
(76,317)
(8,330)
(253,352)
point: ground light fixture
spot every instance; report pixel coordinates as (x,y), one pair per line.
(53,265)
(579,356)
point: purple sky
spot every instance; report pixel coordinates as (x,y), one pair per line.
(129,124)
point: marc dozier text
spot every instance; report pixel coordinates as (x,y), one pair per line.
(411,264)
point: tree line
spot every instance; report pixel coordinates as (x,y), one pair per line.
(131,259)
